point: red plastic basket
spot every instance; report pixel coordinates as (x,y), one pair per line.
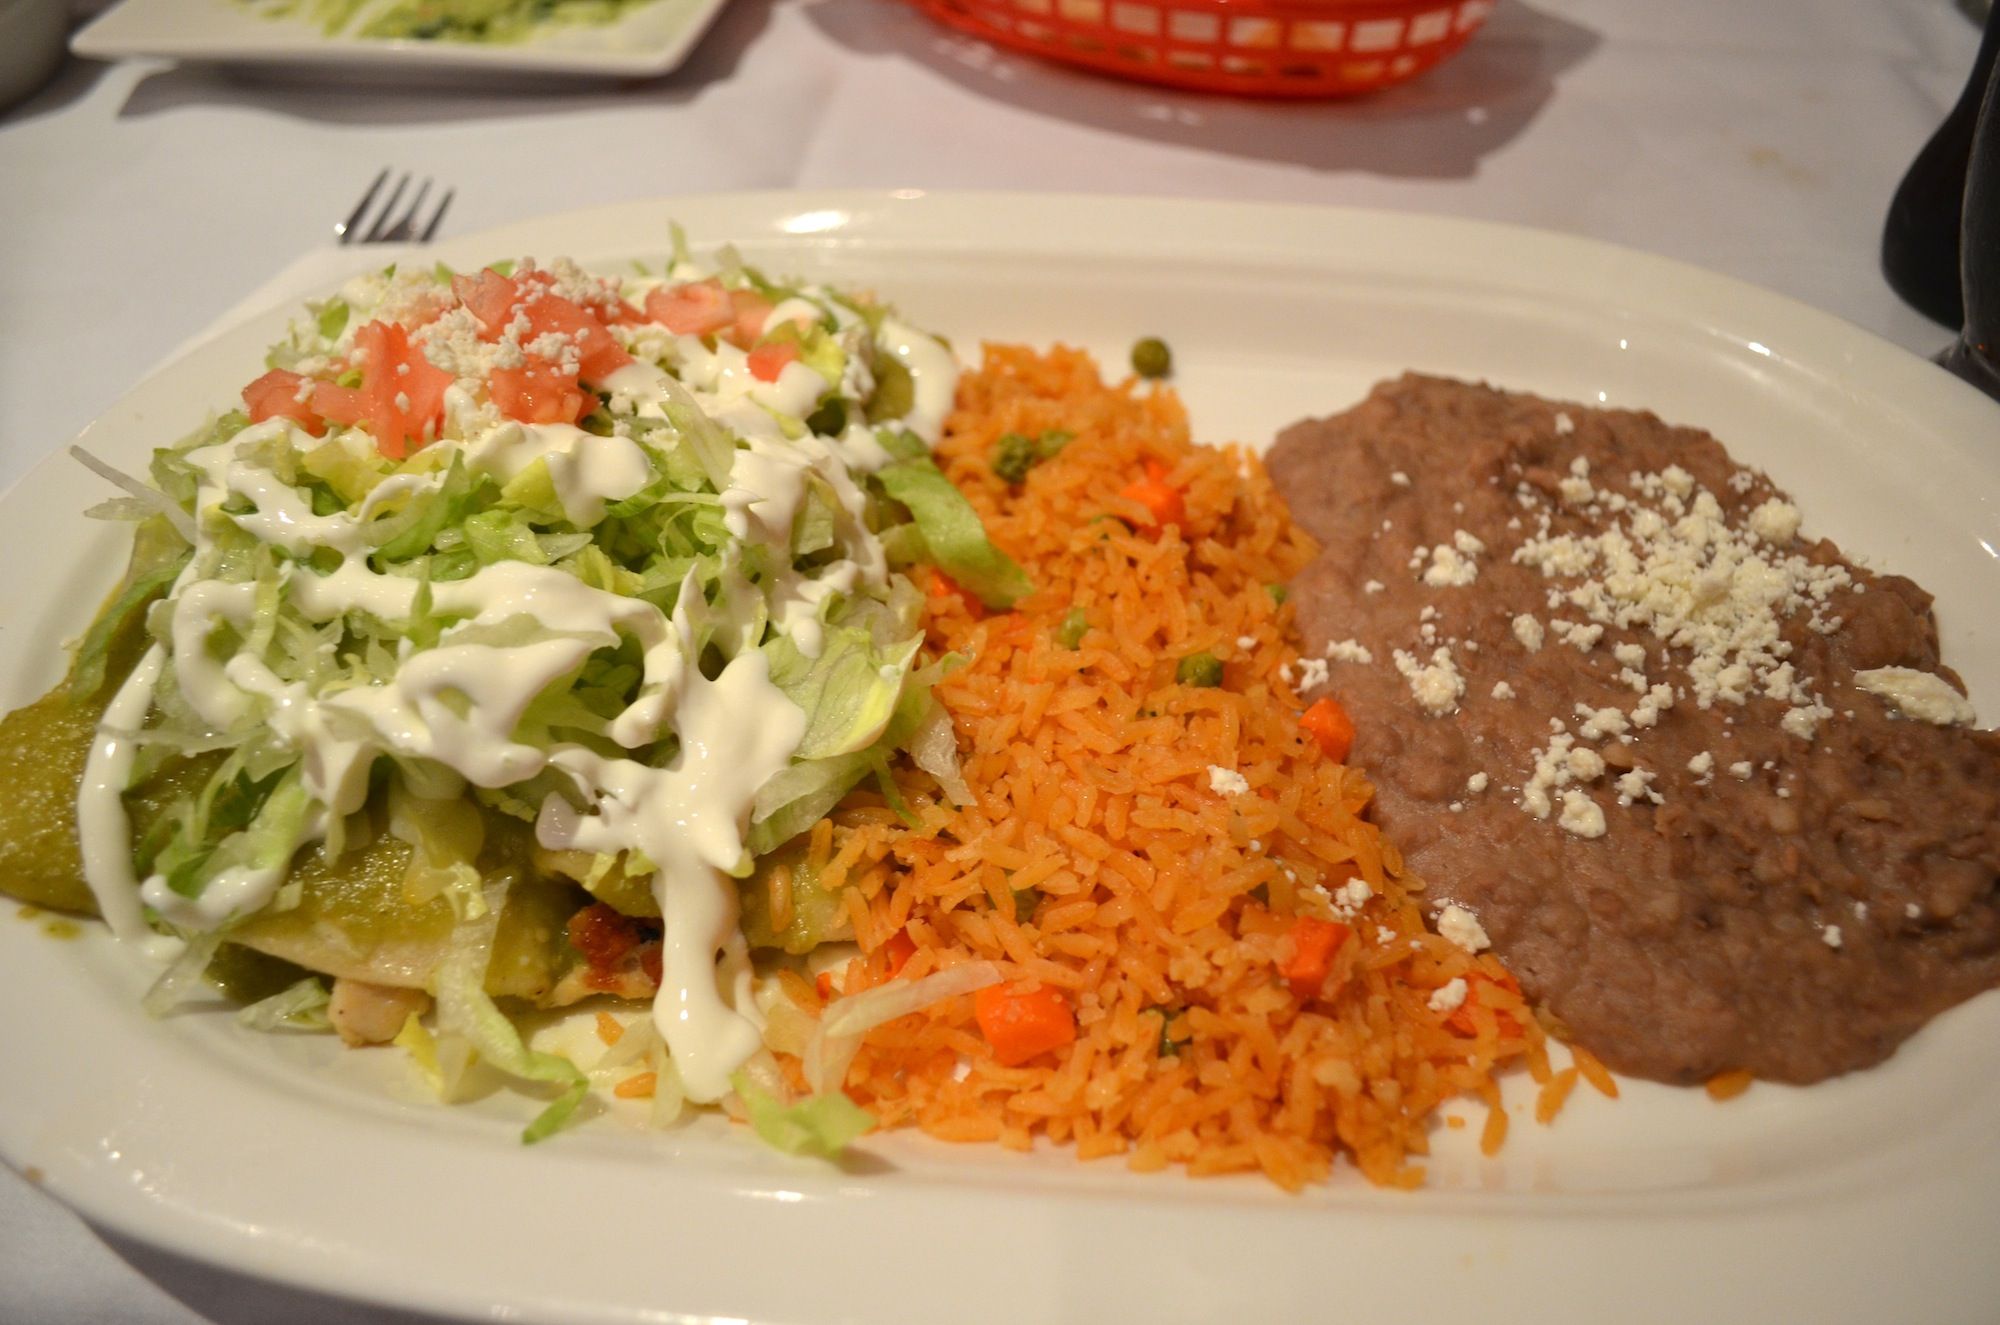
(1259,48)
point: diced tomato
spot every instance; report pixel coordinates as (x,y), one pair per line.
(768,360)
(1328,724)
(275,395)
(1021,1022)
(536,392)
(401,396)
(695,308)
(619,313)
(1313,944)
(598,354)
(619,954)
(499,301)
(345,405)
(751,311)
(489,296)
(603,935)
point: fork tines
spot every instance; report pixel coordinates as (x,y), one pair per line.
(390,226)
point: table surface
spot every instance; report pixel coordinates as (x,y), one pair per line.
(145,200)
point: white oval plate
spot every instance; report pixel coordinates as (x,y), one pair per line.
(287,1158)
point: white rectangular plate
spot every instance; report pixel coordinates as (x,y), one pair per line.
(650,40)
(1848,1202)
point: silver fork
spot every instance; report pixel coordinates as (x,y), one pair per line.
(390,226)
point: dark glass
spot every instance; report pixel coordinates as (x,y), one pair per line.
(1976,356)
(1920,242)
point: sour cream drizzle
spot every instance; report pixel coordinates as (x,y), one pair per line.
(519,628)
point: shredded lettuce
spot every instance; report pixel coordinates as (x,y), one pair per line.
(93,653)
(952,532)
(848,692)
(820,1125)
(441,1060)
(464,1008)
(446,835)
(298,1007)
(800,796)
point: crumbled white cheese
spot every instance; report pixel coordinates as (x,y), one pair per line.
(1803,720)
(1657,700)
(1775,522)
(1585,764)
(1226,781)
(1921,695)
(1399,478)
(1373,586)
(1449,568)
(1350,651)
(1448,997)
(1678,570)
(1551,771)
(1912,910)
(1579,637)
(1702,764)
(1501,690)
(1476,783)
(1581,815)
(1599,723)
(1529,631)
(1630,655)
(1466,543)
(1830,935)
(1246,642)
(1312,673)
(1437,685)
(1633,787)
(1740,770)
(1564,424)
(1351,896)
(1460,926)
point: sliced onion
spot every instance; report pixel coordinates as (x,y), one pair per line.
(847,1020)
(638,1040)
(145,492)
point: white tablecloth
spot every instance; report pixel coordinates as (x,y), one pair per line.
(140,202)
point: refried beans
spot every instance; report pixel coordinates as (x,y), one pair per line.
(1705,784)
